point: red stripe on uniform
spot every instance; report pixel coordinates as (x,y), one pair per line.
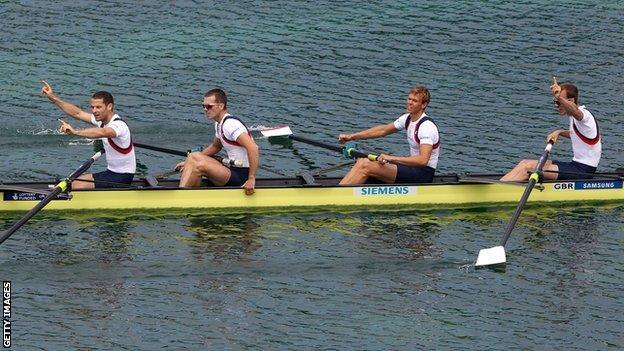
(586,140)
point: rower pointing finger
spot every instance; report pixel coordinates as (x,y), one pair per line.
(65,127)
(555,88)
(46,89)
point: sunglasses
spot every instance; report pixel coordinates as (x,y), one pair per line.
(207,106)
(557,103)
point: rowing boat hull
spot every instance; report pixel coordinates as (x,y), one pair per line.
(450,192)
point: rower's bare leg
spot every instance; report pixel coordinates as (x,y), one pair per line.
(364,168)
(520,173)
(198,165)
(87,184)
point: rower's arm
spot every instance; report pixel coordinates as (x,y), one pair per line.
(213,148)
(67,107)
(421,160)
(370,133)
(557,133)
(253,153)
(70,108)
(94,133)
(569,107)
(253,156)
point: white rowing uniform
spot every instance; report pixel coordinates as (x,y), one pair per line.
(421,131)
(228,131)
(586,140)
(119,150)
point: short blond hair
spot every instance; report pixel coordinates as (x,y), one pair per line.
(423,92)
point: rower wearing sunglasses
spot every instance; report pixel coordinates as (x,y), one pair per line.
(583,132)
(231,134)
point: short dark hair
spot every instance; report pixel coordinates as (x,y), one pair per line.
(219,95)
(104,95)
(571,91)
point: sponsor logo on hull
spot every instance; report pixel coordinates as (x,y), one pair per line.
(588,185)
(24,196)
(391,190)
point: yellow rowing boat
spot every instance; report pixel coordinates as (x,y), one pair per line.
(300,192)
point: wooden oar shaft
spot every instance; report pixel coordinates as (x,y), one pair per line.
(352,152)
(527,191)
(59,188)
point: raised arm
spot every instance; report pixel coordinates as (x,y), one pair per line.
(65,106)
(370,133)
(568,106)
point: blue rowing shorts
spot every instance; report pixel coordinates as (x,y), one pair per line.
(407,174)
(110,179)
(572,170)
(238,176)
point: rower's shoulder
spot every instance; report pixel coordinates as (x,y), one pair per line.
(232,120)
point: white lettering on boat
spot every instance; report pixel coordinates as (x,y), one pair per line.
(605,184)
(588,185)
(25,196)
(22,196)
(396,190)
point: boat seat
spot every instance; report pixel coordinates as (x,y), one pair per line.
(307,178)
(151,181)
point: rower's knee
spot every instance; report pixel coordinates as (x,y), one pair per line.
(365,166)
(193,160)
(194,157)
(527,165)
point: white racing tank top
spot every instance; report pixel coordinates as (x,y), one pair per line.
(228,131)
(120,157)
(586,140)
(421,131)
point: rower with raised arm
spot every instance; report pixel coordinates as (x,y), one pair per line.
(115,135)
(584,133)
(423,139)
(231,134)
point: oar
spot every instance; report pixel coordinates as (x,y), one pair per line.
(225,161)
(59,188)
(345,150)
(496,254)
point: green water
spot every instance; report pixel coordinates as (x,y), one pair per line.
(379,280)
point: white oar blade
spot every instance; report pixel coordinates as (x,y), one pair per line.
(491,256)
(277,131)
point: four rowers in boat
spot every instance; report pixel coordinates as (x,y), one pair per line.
(232,134)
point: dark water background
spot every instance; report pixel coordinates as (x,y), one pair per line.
(397,279)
